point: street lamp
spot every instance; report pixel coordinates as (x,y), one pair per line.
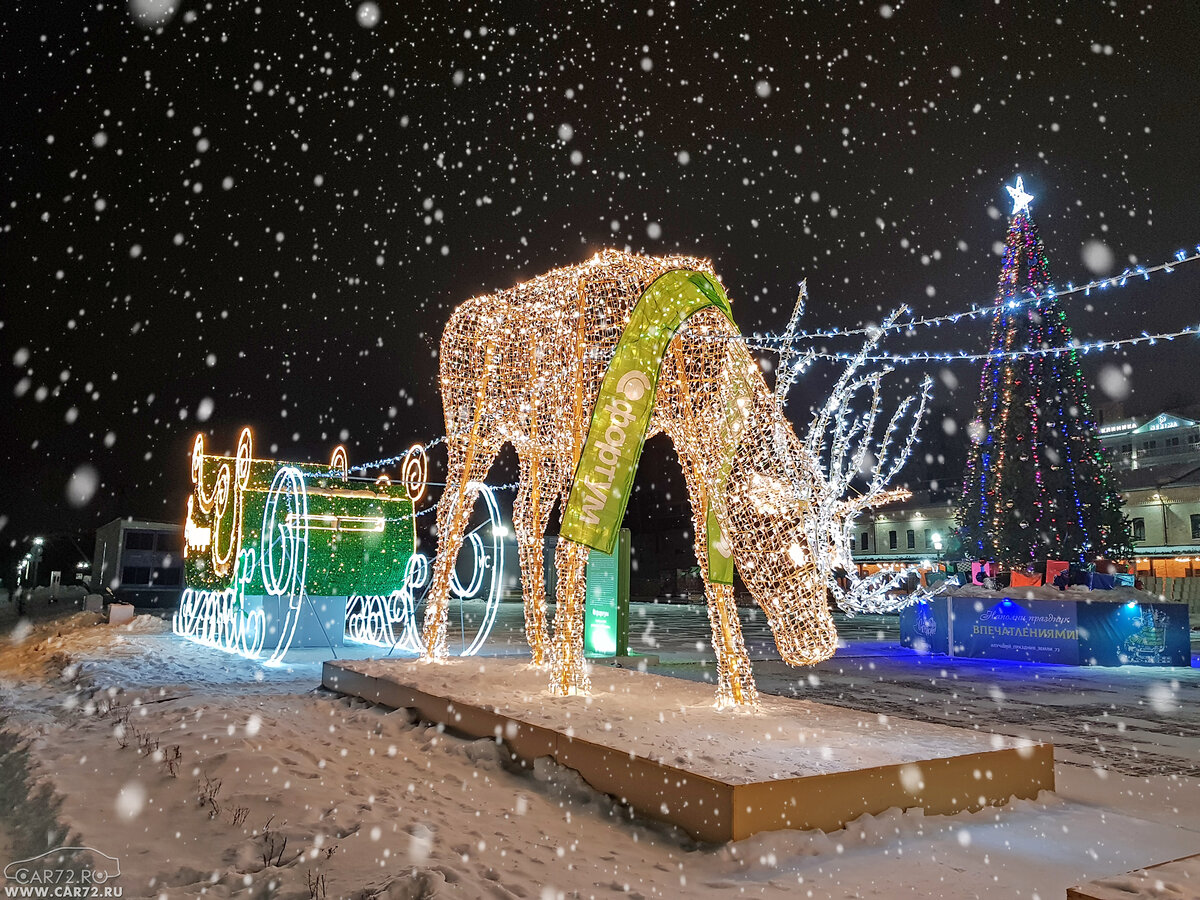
(36,553)
(1163,502)
(936,537)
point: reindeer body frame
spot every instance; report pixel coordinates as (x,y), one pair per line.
(524,366)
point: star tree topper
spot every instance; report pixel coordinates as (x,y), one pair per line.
(1020,199)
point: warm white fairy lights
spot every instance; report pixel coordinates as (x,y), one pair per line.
(196,537)
(524,366)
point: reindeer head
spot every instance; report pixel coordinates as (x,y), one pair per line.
(789,513)
(773,491)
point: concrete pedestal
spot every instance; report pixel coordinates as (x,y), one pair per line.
(657,744)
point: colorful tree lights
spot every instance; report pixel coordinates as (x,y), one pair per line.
(1037,485)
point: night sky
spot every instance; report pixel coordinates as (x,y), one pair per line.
(240,213)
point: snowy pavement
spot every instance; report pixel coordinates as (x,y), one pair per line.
(378,806)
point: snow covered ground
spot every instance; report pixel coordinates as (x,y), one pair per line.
(281,789)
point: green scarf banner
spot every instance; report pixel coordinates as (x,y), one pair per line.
(621,417)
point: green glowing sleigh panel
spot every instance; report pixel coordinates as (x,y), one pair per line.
(281,555)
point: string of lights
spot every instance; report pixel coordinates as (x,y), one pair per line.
(1032,298)
(399,458)
(1081,348)
(784,343)
(922,356)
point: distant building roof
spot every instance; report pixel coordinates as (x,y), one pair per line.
(1187,472)
(1161,422)
(141,523)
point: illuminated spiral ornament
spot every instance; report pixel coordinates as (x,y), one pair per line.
(226,496)
(220,618)
(492,562)
(340,461)
(393,621)
(390,621)
(284,556)
(243,459)
(369,619)
(416,576)
(206,501)
(414,472)
(221,494)
(183,622)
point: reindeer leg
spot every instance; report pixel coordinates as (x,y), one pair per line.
(467,463)
(735,677)
(569,672)
(531,512)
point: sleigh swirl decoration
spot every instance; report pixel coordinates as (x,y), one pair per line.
(264,538)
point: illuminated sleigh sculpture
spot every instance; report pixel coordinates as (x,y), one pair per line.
(537,366)
(263,539)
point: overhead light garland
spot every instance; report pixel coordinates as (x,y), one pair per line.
(1081,348)
(1026,297)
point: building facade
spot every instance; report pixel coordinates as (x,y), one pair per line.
(1157,464)
(1164,517)
(1148,443)
(1163,506)
(140,562)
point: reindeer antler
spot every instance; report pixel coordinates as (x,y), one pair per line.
(840,442)
(792,363)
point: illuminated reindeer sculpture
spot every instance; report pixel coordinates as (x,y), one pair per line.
(525,366)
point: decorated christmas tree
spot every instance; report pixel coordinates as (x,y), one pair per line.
(1037,485)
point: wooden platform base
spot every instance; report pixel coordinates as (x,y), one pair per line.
(657,744)
(1177,878)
